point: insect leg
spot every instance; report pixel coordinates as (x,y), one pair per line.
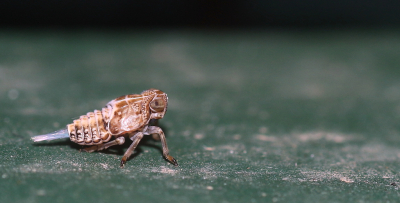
(118,141)
(155,136)
(158,130)
(154,122)
(136,139)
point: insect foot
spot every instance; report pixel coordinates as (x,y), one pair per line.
(172,160)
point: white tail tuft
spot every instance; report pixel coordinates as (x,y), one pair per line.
(51,136)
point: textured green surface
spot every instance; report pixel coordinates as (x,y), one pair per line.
(253,116)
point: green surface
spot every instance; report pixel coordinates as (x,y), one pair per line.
(261,116)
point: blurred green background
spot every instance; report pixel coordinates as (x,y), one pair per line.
(253,116)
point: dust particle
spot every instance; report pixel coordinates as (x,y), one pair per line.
(41,192)
(266,138)
(198,136)
(346,180)
(210,188)
(105,166)
(338,138)
(209,148)
(164,170)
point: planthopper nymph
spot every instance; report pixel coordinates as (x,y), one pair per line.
(124,117)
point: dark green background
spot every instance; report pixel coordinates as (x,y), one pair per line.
(253,116)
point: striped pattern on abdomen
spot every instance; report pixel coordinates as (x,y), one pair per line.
(90,129)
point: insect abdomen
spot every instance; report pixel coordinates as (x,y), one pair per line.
(90,129)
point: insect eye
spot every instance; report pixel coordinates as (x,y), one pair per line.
(157,105)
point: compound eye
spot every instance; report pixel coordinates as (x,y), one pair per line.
(157,105)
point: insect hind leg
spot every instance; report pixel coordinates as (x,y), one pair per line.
(118,141)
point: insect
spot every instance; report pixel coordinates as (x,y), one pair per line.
(126,116)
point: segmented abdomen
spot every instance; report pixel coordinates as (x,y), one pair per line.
(90,129)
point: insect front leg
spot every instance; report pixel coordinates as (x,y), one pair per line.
(118,141)
(158,130)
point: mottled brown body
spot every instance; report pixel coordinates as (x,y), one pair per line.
(125,116)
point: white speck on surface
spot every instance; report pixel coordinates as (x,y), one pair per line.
(4,176)
(164,170)
(232,147)
(198,136)
(266,138)
(263,194)
(41,192)
(346,180)
(105,166)
(209,148)
(210,188)
(313,136)
(315,175)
